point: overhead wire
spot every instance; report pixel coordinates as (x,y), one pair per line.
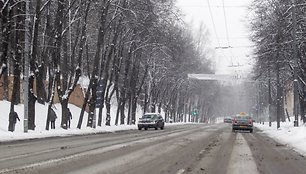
(214,27)
(227,35)
(225,22)
(213,22)
(231,54)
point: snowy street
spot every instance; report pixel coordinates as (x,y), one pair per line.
(152,87)
(190,148)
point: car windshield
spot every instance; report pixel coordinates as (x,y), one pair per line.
(149,116)
(243,117)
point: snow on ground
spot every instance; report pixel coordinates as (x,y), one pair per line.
(40,122)
(287,134)
(294,137)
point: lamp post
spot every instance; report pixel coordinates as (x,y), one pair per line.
(295,81)
(26,67)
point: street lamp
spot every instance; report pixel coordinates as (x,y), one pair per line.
(295,81)
(26,67)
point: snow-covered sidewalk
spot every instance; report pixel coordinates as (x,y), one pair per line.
(287,134)
(40,121)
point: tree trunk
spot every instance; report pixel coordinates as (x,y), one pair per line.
(124,96)
(107,102)
(33,59)
(31,105)
(134,107)
(91,113)
(40,85)
(116,88)
(84,107)
(100,116)
(129,108)
(64,105)
(6,17)
(57,52)
(48,116)
(146,97)
(100,42)
(17,37)
(109,77)
(16,49)
(117,114)
(12,120)
(50,102)
(92,104)
(189,110)
(108,107)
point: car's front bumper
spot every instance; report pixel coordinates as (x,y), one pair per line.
(149,125)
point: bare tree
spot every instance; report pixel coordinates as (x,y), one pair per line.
(91,90)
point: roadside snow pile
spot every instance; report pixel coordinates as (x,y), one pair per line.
(40,122)
(294,137)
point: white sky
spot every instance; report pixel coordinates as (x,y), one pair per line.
(227,26)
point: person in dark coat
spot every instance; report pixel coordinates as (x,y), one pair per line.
(69,118)
(13,117)
(52,117)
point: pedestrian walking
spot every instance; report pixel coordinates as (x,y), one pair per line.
(13,117)
(52,117)
(69,118)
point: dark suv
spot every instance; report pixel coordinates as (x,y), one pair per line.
(242,123)
(151,120)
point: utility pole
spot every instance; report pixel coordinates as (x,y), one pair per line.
(26,67)
(278,85)
(270,99)
(278,96)
(257,102)
(295,81)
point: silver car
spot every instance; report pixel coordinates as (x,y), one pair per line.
(151,120)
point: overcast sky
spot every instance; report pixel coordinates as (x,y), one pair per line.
(227,22)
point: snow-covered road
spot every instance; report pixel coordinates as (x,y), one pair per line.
(180,149)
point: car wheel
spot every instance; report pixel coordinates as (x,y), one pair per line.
(251,131)
(139,128)
(146,128)
(162,128)
(156,128)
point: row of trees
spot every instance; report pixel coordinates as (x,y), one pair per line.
(278,33)
(136,52)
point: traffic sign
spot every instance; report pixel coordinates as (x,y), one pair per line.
(194,112)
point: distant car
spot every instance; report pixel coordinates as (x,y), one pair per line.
(243,122)
(151,120)
(227,120)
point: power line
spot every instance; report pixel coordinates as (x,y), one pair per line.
(213,22)
(225,22)
(214,26)
(226,30)
(228,47)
